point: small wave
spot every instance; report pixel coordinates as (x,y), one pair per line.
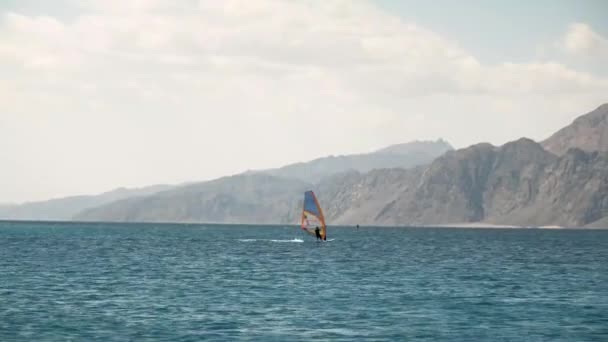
(294,240)
(253,240)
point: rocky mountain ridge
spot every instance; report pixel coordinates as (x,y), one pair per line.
(562,181)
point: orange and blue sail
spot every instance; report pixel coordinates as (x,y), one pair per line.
(312,215)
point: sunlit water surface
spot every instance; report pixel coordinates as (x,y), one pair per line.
(138,282)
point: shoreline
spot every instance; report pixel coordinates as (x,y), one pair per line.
(465,225)
(491,225)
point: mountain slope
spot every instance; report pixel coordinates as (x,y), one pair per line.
(65,208)
(588,132)
(601,223)
(251,198)
(574,190)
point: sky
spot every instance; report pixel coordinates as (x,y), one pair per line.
(99,94)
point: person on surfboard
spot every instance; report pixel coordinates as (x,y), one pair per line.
(318,233)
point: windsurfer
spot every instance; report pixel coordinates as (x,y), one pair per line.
(318,233)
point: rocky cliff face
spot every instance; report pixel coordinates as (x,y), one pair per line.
(588,132)
(518,184)
(356,198)
(461,186)
(573,190)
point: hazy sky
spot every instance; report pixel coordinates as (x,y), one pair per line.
(97,94)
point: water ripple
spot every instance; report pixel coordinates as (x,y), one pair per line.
(112,282)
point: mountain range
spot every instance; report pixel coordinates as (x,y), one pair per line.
(561,181)
(518,183)
(175,205)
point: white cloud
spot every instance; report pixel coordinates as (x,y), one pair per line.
(581,39)
(133,93)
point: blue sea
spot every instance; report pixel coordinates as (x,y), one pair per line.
(155,282)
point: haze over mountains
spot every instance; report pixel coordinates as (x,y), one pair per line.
(402,155)
(268,196)
(395,156)
(562,181)
(65,208)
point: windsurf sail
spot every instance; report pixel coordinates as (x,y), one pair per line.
(312,215)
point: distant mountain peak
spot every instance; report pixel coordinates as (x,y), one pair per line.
(523,144)
(522,141)
(438,146)
(588,132)
(404,155)
(603,107)
(595,116)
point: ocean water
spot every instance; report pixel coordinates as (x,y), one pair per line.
(151,282)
